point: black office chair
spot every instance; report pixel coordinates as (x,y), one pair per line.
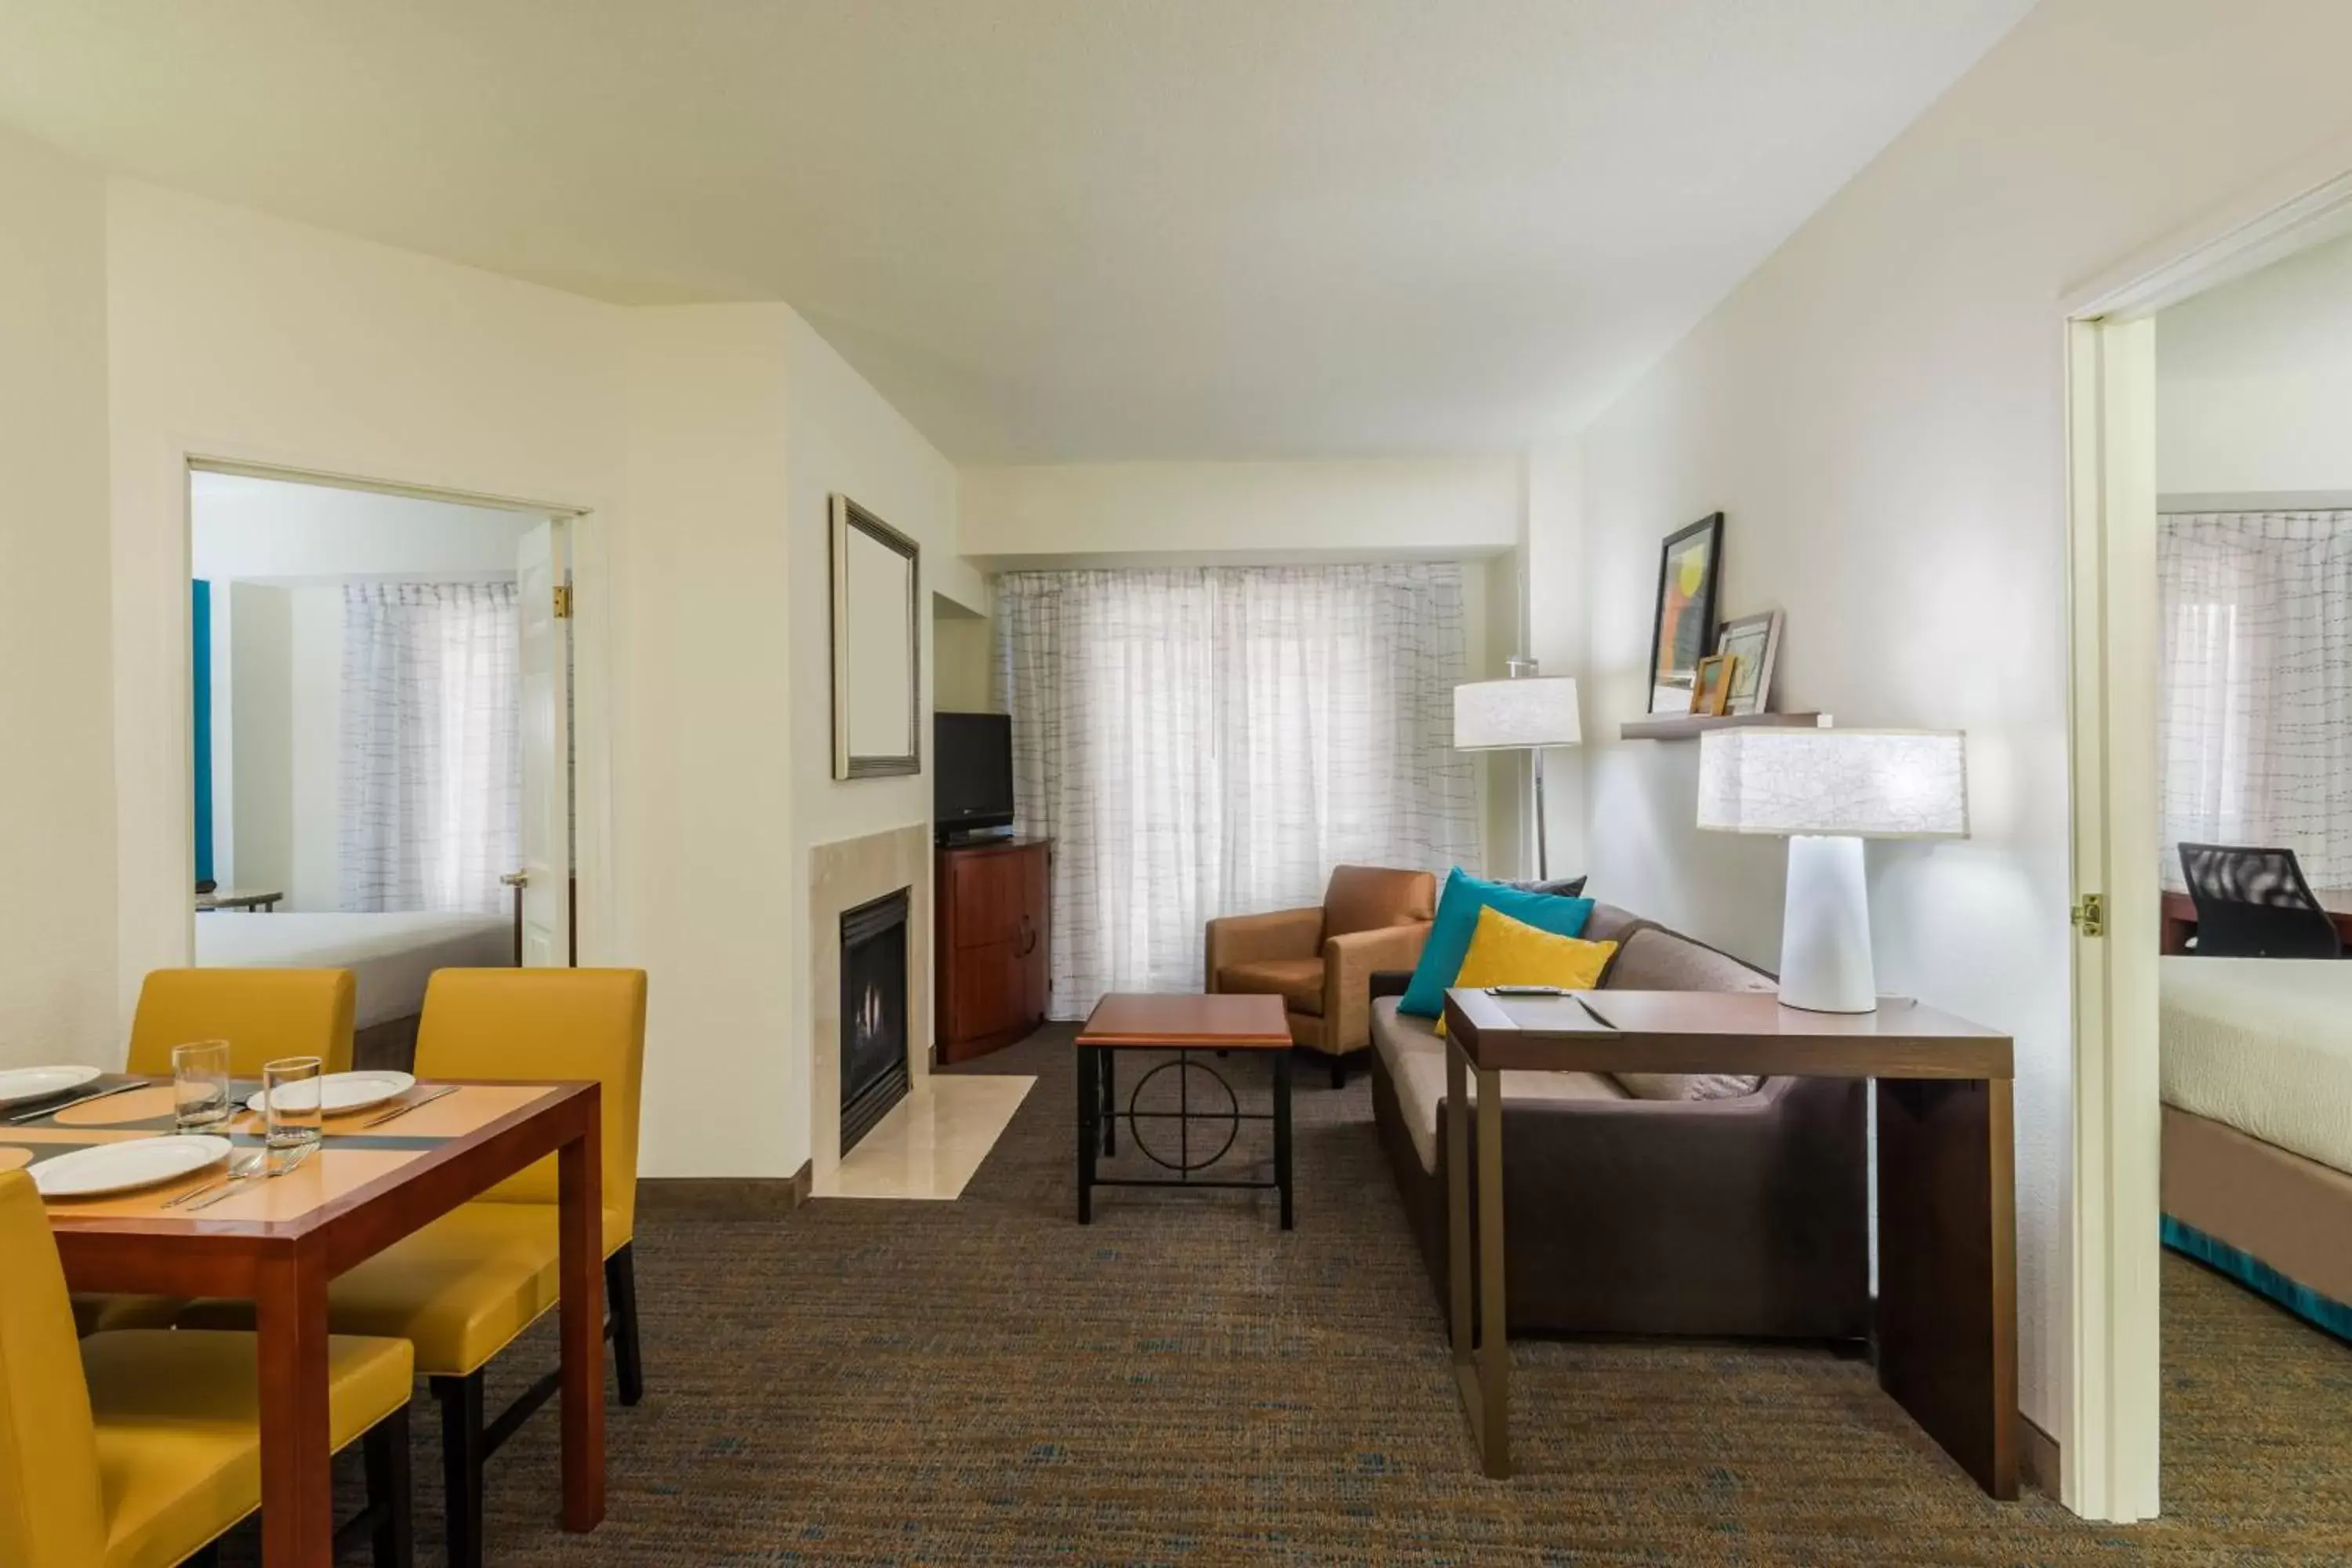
(2253,903)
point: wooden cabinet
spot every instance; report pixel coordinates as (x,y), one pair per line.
(990,945)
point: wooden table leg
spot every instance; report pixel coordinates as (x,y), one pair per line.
(1282,1163)
(1482,1363)
(298,1516)
(580,1203)
(1089,1136)
(1947,1268)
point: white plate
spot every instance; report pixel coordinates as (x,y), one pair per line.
(121,1167)
(19,1085)
(343,1093)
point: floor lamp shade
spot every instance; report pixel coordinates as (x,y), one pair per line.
(1826,791)
(1527,712)
(1514,715)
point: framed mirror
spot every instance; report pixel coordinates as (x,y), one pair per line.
(876,646)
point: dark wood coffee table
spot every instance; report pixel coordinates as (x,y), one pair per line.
(1127,1021)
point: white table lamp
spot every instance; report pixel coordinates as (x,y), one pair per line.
(1524,714)
(1826,791)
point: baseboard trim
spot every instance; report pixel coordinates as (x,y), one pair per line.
(724,1196)
(2038,1457)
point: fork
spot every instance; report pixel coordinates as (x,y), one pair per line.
(271,1174)
(238,1170)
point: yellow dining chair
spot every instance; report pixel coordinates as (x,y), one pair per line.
(263,1014)
(464,1286)
(143,1449)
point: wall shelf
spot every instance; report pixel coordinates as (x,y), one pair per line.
(1691,726)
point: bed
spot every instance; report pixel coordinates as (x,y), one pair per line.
(2256,1063)
(390,956)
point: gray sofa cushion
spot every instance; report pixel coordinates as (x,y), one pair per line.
(1559,886)
(1655,958)
(1415,1059)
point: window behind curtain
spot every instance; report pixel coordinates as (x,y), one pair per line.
(1212,741)
(432,781)
(2255,685)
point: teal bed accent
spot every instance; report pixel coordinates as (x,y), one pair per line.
(2322,1311)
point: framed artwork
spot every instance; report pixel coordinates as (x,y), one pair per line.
(1711,690)
(1754,642)
(1689,571)
(878,647)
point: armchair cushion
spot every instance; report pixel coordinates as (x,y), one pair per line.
(1297,981)
(1235,939)
(1371,898)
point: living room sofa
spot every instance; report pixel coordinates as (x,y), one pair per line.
(1741,1217)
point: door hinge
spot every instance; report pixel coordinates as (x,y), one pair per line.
(563,601)
(2090,914)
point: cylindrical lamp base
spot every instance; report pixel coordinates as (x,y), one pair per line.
(1825,959)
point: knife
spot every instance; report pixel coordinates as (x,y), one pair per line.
(404,1109)
(79,1100)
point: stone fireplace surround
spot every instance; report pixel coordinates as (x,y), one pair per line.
(842,876)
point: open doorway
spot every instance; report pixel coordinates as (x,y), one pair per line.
(383,777)
(2211,465)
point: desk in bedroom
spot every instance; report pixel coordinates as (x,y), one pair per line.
(2180,921)
(1947,1306)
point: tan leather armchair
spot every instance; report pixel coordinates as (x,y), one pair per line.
(1320,960)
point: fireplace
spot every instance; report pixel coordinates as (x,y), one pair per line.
(873,1013)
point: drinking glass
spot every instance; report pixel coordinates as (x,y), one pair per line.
(294,1115)
(200,1085)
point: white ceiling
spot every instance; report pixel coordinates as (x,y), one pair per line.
(1058,229)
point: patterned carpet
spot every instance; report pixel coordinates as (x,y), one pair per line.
(984,1382)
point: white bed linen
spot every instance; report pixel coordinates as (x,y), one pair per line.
(2262,1045)
(390,956)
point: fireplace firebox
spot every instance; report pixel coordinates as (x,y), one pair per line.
(874,1075)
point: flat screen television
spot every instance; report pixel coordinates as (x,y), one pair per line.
(971,773)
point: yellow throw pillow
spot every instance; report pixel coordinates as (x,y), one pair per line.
(1505,951)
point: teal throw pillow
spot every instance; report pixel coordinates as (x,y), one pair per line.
(1457,922)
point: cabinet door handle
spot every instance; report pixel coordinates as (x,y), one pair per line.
(1028,936)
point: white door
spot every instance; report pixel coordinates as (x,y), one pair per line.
(2110,1466)
(542,582)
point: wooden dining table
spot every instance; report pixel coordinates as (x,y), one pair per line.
(279,1241)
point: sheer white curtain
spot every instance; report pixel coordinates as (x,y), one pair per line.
(432,787)
(1211,741)
(2255,716)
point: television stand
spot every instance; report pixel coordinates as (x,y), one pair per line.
(973,838)
(990,949)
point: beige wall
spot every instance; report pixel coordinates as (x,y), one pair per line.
(704,771)
(259,760)
(57,834)
(1371,509)
(2253,382)
(964,652)
(700,439)
(1878,409)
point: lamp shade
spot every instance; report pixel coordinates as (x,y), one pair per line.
(1863,783)
(1503,715)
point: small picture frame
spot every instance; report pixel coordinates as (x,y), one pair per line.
(1755,642)
(1711,685)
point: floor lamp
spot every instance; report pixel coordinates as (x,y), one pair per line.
(1524,714)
